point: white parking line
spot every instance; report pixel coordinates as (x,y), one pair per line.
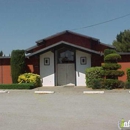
(93,92)
(44,92)
(4,91)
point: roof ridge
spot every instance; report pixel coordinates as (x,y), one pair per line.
(66,31)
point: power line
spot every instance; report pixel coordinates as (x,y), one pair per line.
(102,22)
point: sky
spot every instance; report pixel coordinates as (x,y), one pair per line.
(23,22)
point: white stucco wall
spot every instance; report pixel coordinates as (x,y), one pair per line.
(47,71)
(80,69)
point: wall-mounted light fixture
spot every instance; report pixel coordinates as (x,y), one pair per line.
(83,60)
(46,61)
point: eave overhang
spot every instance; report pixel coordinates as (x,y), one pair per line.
(65,43)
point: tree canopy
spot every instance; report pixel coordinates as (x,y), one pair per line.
(122,42)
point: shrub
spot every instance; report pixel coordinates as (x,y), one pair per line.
(92,73)
(17,64)
(128,74)
(112,57)
(17,86)
(110,70)
(127,85)
(111,66)
(112,73)
(109,51)
(112,84)
(29,78)
(97,83)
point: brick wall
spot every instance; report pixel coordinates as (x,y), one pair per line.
(124,65)
(5,71)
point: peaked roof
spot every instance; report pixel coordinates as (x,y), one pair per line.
(63,32)
(42,41)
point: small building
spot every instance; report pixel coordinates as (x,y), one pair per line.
(60,59)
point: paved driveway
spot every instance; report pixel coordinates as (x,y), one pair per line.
(67,109)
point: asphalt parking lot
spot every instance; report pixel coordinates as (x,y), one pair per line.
(66,109)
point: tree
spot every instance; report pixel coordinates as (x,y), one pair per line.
(17,64)
(110,69)
(1,53)
(122,42)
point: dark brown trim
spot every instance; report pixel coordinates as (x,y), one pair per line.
(75,65)
(30,48)
(108,45)
(55,78)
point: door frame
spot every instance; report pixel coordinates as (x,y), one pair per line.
(56,66)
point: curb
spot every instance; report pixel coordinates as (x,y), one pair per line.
(93,92)
(44,92)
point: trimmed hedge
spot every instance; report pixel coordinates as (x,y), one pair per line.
(128,74)
(17,86)
(92,73)
(111,66)
(17,63)
(108,84)
(109,51)
(107,75)
(118,73)
(98,83)
(112,84)
(127,85)
(110,71)
(112,58)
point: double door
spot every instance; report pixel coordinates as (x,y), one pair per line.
(66,74)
